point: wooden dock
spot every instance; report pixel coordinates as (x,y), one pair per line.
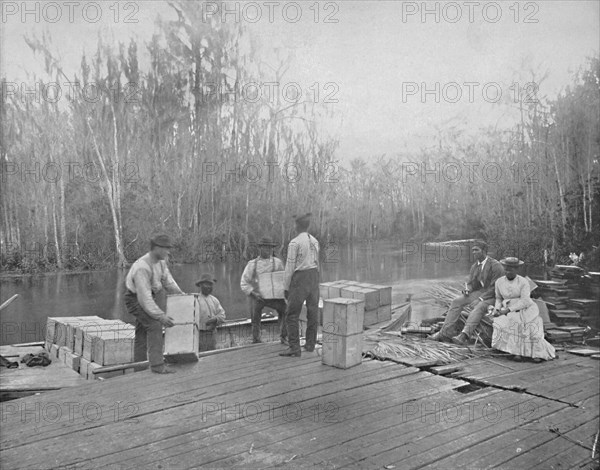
(250,408)
(24,381)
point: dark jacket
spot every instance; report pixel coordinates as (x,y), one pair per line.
(491,271)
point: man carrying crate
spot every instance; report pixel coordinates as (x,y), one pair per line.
(264,263)
(301,283)
(146,278)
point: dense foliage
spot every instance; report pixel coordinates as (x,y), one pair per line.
(86,181)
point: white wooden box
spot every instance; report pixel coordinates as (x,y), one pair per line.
(342,351)
(73,361)
(96,327)
(90,338)
(183,338)
(53,352)
(72,325)
(113,347)
(270,285)
(371,317)
(55,333)
(83,367)
(62,354)
(324,290)
(384,313)
(343,316)
(385,294)
(331,290)
(369,296)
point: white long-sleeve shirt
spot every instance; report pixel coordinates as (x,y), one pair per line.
(249,281)
(302,254)
(515,294)
(147,277)
(209,307)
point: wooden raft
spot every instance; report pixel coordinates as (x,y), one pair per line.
(250,408)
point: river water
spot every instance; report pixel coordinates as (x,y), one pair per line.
(100,292)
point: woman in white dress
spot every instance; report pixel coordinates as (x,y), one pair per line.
(518,327)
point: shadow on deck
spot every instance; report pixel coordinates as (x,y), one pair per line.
(251,408)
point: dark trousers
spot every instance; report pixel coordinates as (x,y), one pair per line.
(149,342)
(258,305)
(303,287)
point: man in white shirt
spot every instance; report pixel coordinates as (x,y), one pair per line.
(264,263)
(301,283)
(211,312)
(146,278)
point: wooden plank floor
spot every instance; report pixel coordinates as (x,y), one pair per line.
(250,408)
(30,379)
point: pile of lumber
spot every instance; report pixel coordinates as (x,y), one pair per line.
(88,343)
(572,298)
(377,298)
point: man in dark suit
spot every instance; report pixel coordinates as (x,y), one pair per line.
(479,293)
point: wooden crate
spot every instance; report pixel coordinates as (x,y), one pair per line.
(371,317)
(343,316)
(53,333)
(385,294)
(342,351)
(51,328)
(110,348)
(73,361)
(369,296)
(182,340)
(270,285)
(96,327)
(335,291)
(89,338)
(72,326)
(83,367)
(62,354)
(324,289)
(384,313)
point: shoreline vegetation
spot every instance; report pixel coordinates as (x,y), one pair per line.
(591,263)
(85,184)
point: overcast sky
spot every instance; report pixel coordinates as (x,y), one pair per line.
(374,58)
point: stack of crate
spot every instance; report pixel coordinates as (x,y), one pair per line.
(342,332)
(377,298)
(88,343)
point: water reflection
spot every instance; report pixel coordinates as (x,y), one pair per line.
(100,292)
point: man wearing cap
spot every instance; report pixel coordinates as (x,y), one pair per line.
(264,263)
(211,312)
(301,283)
(146,278)
(479,292)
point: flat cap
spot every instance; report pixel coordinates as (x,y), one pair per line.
(206,277)
(162,240)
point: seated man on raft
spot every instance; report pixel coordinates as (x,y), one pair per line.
(479,293)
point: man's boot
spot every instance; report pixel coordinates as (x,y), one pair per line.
(291,352)
(462,339)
